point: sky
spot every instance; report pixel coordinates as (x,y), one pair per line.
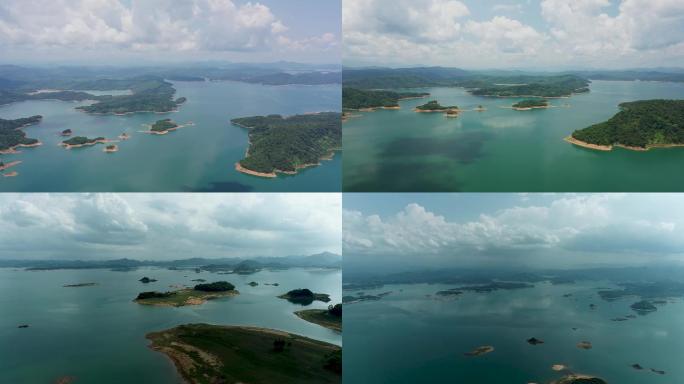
(513,230)
(158,31)
(514,34)
(167,226)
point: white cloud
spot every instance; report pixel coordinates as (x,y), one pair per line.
(597,223)
(145,25)
(164,226)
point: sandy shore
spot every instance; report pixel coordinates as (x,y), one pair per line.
(111,150)
(531,108)
(10,174)
(242,169)
(151,132)
(583,144)
(597,147)
(9,165)
(13,150)
(68,146)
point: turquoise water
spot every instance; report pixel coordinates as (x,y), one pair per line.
(97,334)
(197,158)
(419,339)
(502,149)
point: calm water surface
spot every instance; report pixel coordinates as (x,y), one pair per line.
(97,334)
(419,339)
(197,158)
(502,149)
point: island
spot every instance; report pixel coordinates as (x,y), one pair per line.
(643,307)
(285,145)
(79,285)
(434,106)
(479,351)
(66,133)
(304,296)
(205,353)
(162,127)
(494,286)
(368,100)
(188,296)
(247,267)
(253,284)
(528,86)
(124,136)
(584,345)
(579,379)
(12,136)
(449,292)
(5,166)
(146,280)
(639,125)
(529,104)
(82,141)
(111,148)
(534,341)
(360,297)
(330,318)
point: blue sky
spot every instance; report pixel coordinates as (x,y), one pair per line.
(508,34)
(154,31)
(543,230)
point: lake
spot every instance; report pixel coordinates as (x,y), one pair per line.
(501,149)
(197,158)
(419,339)
(97,334)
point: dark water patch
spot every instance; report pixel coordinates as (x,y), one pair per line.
(392,177)
(464,148)
(222,186)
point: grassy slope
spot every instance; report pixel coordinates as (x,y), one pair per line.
(217,354)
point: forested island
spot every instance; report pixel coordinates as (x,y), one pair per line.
(639,125)
(205,353)
(358,99)
(163,126)
(330,318)
(529,104)
(304,296)
(478,83)
(12,136)
(435,106)
(82,141)
(149,94)
(280,144)
(197,295)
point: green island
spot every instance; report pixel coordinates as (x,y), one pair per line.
(495,286)
(639,125)
(643,307)
(579,379)
(529,104)
(479,351)
(12,136)
(280,144)
(541,86)
(304,296)
(208,354)
(82,141)
(434,106)
(366,100)
(163,126)
(149,94)
(360,297)
(330,318)
(79,285)
(197,295)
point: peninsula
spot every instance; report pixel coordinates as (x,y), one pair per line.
(280,144)
(330,318)
(304,296)
(205,353)
(368,100)
(197,295)
(149,94)
(12,136)
(639,125)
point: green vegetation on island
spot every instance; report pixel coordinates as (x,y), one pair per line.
(77,285)
(12,136)
(643,307)
(355,99)
(80,141)
(206,354)
(639,125)
(330,318)
(304,296)
(541,86)
(530,104)
(434,106)
(579,379)
(163,125)
(148,95)
(197,295)
(286,144)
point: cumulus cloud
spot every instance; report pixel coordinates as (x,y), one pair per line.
(594,224)
(169,226)
(571,33)
(145,25)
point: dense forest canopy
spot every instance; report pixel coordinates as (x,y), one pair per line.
(284,143)
(11,135)
(531,103)
(434,105)
(353,98)
(81,140)
(163,125)
(639,124)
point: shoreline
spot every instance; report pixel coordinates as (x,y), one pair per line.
(151,132)
(13,149)
(70,146)
(328,157)
(9,165)
(607,148)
